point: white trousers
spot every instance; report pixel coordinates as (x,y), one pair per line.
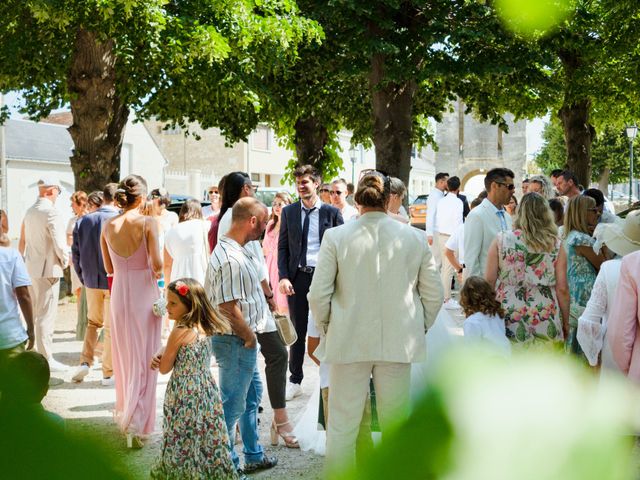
(447,272)
(45,308)
(436,251)
(348,391)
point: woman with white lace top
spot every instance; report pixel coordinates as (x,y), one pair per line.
(621,239)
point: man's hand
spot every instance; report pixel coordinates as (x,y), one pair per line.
(285,287)
(32,339)
(430,240)
(250,341)
(272,303)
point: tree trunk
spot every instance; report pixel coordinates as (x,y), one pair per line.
(578,135)
(99,115)
(603,181)
(311,138)
(392,104)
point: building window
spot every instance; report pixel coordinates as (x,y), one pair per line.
(261,139)
(255,177)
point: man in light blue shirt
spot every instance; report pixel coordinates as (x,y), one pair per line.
(435,196)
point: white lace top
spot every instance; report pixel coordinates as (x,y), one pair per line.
(592,324)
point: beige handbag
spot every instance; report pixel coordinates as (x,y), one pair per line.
(286,329)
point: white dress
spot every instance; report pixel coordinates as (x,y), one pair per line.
(592,324)
(489,330)
(188,246)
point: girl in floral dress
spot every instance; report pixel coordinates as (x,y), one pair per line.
(528,266)
(195,443)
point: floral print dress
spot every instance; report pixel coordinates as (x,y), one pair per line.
(195,444)
(526,288)
(582,276)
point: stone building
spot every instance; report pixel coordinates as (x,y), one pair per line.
(468,148)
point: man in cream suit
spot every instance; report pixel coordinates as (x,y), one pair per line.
(374,294)
(44,246)
(486,220)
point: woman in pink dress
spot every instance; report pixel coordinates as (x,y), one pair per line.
(270,248)
(131,254)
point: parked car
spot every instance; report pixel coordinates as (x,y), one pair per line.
(418,212)
(177,200)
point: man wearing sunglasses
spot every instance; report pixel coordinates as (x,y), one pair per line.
(485,221)
(339,200)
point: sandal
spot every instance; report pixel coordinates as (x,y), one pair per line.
(288,438)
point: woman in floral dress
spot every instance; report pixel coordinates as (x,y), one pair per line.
(195,443)
(528,267)
(582,262)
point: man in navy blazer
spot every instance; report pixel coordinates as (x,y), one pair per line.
(302,227)
(87,260)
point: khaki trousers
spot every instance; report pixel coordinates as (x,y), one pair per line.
(348,394)
(45,309)
(447,272)
(98,316)
(436,251)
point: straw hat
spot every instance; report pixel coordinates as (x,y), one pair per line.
(621,238)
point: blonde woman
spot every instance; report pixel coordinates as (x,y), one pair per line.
(270,248)
(528,268)
(542,185)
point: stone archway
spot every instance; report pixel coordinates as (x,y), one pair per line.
(470,174)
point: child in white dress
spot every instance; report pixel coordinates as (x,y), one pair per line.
(484,323)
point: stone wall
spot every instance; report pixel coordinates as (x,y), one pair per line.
(467,147)
(209,154)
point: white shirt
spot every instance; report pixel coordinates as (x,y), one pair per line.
(490,330)
(13,274)
(208,211)
(449,214)
(348,213)
(455,243)
(313,239)
(432,207)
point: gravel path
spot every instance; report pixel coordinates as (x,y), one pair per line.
(87,407)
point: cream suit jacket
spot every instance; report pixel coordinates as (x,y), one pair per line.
(46,253)
(375,291)
(480,228)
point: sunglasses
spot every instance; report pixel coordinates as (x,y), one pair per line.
(211,192)
(336,193)
(509,186)
(324,190)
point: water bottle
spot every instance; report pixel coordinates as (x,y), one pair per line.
(161,282)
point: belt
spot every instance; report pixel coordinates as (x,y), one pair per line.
(306,269)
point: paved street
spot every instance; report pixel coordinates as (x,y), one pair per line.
(87,408)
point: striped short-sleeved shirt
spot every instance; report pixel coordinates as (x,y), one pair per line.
(233,274)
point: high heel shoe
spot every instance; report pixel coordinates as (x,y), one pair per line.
(290,440)
(134,441)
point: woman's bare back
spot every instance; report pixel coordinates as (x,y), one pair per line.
(125,233)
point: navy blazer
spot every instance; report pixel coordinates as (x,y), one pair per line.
(85,250)
(465,206)
(290,240)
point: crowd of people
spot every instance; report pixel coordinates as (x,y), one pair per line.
(338,274)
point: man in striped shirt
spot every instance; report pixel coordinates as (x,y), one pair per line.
(233,285)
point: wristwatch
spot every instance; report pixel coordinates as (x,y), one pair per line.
(461,268)
(269,297)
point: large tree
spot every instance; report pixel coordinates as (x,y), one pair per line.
(584,71)
(609,154)
(106,57)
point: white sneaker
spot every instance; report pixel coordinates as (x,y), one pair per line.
(56,366)
(108,381)
(293,390)
(81,372)
(452,304)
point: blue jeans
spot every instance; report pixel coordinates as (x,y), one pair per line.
(241,391)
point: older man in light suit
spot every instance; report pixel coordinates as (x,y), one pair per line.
(44,246)
(374,294)
(486,220)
